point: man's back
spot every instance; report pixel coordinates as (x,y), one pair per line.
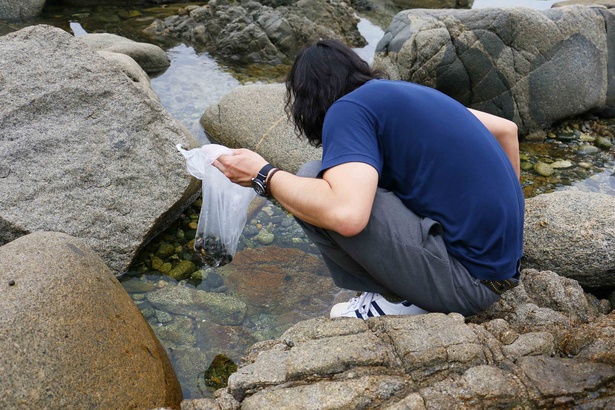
(437,157)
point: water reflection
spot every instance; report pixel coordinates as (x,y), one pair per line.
(191,84)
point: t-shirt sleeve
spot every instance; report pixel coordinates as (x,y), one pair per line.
(350,134)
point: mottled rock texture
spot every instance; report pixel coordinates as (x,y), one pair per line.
(83,150)
(534,67)
(70,336)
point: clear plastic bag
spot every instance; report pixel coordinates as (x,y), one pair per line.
(225,206)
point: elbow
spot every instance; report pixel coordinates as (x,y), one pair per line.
(351,224)
(510,130)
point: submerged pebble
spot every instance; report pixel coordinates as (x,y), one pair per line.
(543,169)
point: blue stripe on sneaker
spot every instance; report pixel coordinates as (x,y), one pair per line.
(377,309)
(406,303)
(356,312)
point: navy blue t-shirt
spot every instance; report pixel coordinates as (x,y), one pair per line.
(441,161)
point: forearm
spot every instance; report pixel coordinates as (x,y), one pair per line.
(308,199)
(505,132)
(335,202)
(341,201)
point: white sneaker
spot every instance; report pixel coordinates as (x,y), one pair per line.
(370,304)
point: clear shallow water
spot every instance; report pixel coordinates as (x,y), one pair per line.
(192,83)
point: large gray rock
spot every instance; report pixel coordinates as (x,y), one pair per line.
(20,9)
(150,57)
(573,234)
(132,69)
(70,336)
(83,150)
(253,117)
(534,67)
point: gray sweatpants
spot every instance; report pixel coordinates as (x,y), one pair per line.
(401,253)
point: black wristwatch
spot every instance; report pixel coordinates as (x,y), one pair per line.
(259,183)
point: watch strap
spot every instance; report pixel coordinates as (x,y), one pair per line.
(264,172)
(268,181)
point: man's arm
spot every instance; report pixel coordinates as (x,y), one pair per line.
(341,201)
(505,132)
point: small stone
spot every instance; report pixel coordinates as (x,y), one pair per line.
(182,270)
(526,166)
(566,137)
(508,336)
(563,164)
(586,165)
(11,282)
(265,237)
(165,250)
(543,169)
(193,225)
(156,263)
(587,138)
(603,143)
(166,267)
(163,317)
(588,150)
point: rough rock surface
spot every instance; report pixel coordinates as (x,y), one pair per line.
(70,336)
(253,117)
(440,361)
(573,234)
(83,150)
(534,67)
(20,9)
(150,57)
(251,32)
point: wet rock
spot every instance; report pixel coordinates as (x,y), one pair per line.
(177,332)
(265,237)
(543,169)
(252,32)
(588,150)
(198,304)
(563,164)
(182,270)
(603,143)
(190,363)
(75,339)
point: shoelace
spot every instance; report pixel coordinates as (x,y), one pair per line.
(362,303)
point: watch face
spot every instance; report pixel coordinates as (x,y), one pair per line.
(259,187)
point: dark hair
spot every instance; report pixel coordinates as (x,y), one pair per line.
(321,74)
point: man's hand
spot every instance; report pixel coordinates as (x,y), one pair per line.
(240,167)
